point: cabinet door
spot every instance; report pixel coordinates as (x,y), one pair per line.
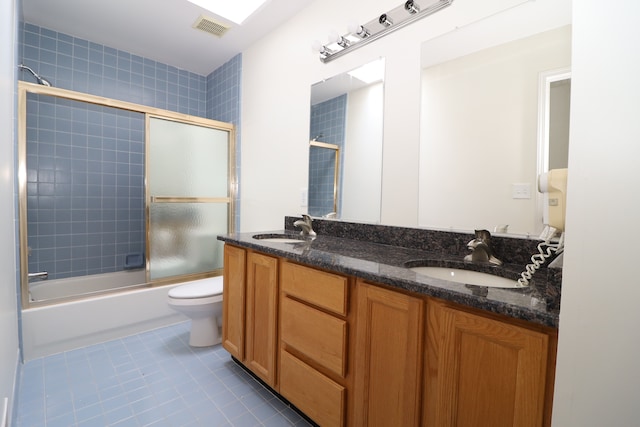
(483,372)
(233,301)
(388,358)
(261,326)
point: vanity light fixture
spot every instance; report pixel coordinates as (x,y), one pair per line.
(361,35)
(411,7)
(321,49)
(339,40)
(384,20)
(359,30)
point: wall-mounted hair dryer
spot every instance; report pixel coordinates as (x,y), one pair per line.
(553,186)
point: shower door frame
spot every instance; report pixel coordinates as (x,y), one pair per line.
(25,88)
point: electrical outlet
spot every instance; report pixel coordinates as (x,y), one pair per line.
(521,191)
(304,196)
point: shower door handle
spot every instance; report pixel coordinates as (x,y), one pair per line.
(41,275)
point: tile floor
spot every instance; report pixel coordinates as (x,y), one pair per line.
(151,379)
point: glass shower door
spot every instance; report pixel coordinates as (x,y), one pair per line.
(189,197)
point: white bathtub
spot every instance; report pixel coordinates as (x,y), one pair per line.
(44,290)
(68,325)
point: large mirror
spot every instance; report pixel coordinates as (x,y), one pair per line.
(480,152)
(345,154)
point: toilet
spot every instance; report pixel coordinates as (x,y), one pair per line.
(201,301)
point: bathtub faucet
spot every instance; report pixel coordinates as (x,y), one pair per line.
(305,225)
(41,275)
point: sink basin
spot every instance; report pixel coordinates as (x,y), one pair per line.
(278,238)
(467,277)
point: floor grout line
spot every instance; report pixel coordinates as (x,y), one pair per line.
(150,379)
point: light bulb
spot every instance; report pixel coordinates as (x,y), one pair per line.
(317,46)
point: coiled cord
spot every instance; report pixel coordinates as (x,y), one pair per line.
(545,249)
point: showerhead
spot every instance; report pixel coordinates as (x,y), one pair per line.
(39,79)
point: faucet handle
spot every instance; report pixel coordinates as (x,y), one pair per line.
(483,235)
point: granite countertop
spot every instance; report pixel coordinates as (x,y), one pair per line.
(385,264)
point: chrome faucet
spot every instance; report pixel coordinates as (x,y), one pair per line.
(305,225)
(481,250)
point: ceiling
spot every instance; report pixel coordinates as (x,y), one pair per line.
(159,30)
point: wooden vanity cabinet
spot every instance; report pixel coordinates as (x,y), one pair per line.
(314,332)
(388,364)
(486,372)
(233,301)
(250,311)
(348,352)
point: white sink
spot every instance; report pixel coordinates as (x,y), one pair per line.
(277,238)
(280,240)
(467,277)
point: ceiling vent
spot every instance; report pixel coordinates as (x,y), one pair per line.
(208,25)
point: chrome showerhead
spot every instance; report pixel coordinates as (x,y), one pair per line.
(39,79)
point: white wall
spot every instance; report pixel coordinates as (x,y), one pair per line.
(362,171)
(8,301)
(598,370)
(278,72)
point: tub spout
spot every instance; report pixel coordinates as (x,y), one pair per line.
(41,275)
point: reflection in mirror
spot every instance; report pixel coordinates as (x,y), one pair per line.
(554,95)
(323,179)
(346,112)
(559,111)
(478,143)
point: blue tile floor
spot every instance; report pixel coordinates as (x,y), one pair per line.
(151,379)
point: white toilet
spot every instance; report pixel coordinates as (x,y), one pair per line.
(201,301)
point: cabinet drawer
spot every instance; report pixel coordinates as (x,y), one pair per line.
(314,333)
(314,394)
(320,288)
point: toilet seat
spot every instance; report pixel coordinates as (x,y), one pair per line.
(201,289)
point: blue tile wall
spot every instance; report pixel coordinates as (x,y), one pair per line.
(91,159)
(85,186)
(76,64)
(328,120)
(223,103)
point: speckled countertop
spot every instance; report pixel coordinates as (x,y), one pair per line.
(386,264)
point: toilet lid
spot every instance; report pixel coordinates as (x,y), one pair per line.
(200,289)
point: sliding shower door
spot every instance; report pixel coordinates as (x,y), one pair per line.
(115,195)
(189,197)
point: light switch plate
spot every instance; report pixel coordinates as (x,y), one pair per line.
(521,191)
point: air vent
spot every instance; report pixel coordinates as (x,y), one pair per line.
(210,26)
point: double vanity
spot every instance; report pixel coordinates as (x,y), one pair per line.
(354,327)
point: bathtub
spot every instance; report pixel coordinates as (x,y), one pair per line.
(68,325)
(84,285)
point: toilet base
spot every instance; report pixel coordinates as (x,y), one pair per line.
(204,332)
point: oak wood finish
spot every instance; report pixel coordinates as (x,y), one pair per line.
(346,351)
(325,290)
(261,316)
(317,335)
(482,372)
(233,301)
(322,399)
(388,362)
